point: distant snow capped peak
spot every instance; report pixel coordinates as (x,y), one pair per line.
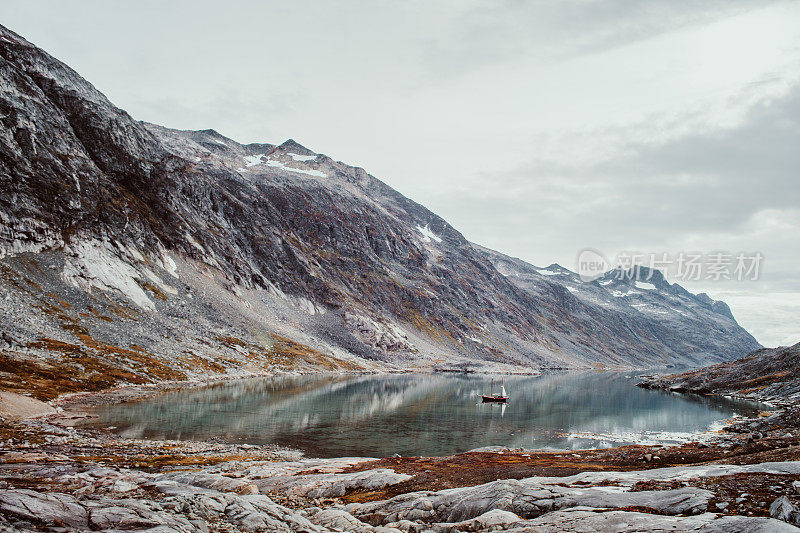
(212,138)
(641,300)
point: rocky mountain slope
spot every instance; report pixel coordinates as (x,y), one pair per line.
(637,303)
(769,374)
(130,251)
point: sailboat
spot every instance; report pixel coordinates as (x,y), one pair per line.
(501,397)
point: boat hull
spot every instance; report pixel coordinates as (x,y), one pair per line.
(495,399)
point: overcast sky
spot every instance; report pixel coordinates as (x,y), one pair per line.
(536,128)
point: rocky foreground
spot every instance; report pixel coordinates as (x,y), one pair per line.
(54,477)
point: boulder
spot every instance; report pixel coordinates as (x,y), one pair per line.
(783,509)
(53,509)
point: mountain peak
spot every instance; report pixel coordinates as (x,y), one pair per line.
(293,146)
(637,273)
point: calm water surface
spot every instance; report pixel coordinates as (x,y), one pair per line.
(416,414)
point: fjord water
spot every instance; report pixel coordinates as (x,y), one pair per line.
(421,414)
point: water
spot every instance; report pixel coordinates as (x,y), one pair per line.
(416,414)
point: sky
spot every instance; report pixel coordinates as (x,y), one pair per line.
(535,128)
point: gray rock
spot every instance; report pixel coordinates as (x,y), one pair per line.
(200,525)
(589,520)
(208,481)
(123,486)
(331,485)
(525,498)
(339,520)
(52,509)
(254,512)
(742,524)
(489,521)
(782,509)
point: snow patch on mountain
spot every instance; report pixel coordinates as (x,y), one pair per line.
(253,160)
(427,234)
(644,285)
(278,164)
(298,157)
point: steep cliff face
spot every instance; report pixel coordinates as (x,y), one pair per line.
(190,246)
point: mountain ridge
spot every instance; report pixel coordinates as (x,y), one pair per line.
(195,233)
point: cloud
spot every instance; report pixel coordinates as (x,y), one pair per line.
(488,32)
(733,189)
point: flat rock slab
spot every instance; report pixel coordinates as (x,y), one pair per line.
(291,468)
(331,485)
(50,509)
(525,498)
(677,473)
(16,406)
(592,521)
(207,481)
(339,520)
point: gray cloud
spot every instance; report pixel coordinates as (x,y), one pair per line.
(485,33)
(713,181)
(734,190)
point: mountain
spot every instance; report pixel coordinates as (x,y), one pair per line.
(768,374)
(640,304)
(133,252)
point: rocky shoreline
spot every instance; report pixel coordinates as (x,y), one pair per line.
(54,477)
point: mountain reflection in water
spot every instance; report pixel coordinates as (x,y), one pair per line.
(421,414)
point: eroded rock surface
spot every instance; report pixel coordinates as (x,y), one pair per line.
(52,479)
